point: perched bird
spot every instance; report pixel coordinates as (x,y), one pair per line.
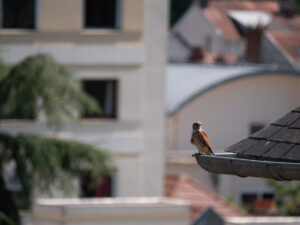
(200,140)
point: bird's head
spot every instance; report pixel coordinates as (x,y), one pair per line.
(197,125)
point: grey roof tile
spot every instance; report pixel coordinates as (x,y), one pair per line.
(266,132)
(296,124)
(241,146)
(294,153)
(279,141)
(287,135)
(296,110)
(287,119)
(278,150)
(260,147)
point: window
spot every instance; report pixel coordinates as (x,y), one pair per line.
(102,187)
(259,202)
(102,14)
(105,93)
(17,14)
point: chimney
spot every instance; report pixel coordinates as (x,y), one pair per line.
(253,42)
(197,54)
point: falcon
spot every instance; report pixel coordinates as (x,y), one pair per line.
(200,140)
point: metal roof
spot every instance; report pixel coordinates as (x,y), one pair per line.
(187,81)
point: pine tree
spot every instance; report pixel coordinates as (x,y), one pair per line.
(38,85)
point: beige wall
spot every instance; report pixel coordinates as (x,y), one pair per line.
(132,15)
(61,22)
(68,15)
(59,15)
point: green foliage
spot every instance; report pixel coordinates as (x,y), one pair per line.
(287,196)
(3,70)
(39,84)
(297,6)
(42,163)
(5,219)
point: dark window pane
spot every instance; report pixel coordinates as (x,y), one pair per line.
(103,187)
(268,196)
(105,93)
(248,199)
(100,13)
(18,14)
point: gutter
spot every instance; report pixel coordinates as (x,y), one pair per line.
(230,163)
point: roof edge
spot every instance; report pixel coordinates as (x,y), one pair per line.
(229,163)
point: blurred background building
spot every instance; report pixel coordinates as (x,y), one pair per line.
(111,47)
(237,63)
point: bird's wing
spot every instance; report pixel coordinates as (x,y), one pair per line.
(205,139)
(192,138)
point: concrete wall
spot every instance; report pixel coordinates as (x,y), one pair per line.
(148,211)
(153,96)
(226,113)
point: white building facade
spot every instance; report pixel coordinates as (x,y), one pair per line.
(123,54)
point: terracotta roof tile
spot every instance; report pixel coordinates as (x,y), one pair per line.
(289,41)
(186,188)
(268,6)
(292,23)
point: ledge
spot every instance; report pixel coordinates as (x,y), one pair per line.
(230,163)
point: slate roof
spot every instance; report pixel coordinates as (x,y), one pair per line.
(187,81)
(278,141)
(186,188)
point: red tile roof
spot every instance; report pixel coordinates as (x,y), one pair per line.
(216,13)
(186,188)
(268,6)
(288,41)
(292,23)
